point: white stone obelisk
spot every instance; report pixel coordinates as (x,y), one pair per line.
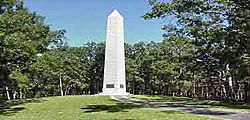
(114,82)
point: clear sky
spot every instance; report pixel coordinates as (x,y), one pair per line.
(85,20)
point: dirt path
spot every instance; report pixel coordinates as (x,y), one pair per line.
(194,110)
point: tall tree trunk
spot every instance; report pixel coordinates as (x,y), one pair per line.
(133,86)
(202,91)
(14,95)
(61,89)
(194,84)
(230,82)
(207,92)
(173,94)
(238,96)
(247,91)
(21,94)
(231,90)
(93,83)
(66,93)
(7,92)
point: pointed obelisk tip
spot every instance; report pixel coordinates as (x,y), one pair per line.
(115,13)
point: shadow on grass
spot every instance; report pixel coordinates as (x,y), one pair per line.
(166,99)
(194,110)
(118,107)
(9,108)
(195,102)
(210,112)
(172,112)
(216,104)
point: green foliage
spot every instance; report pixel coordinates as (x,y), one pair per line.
(8,5)
(217,31)
(68,64)
(23,35)
(21,79)
(206,43)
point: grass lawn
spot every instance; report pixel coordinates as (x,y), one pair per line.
(86,108)
(209,104)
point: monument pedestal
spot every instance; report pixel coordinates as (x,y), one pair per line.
(114,91)
(113,94)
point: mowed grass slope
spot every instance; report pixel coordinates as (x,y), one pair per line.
(86,108)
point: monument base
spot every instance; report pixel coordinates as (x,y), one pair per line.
(113,94)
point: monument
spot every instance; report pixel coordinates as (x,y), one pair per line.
(114,82)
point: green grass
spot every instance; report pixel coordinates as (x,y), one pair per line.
(86,108)
(209,104)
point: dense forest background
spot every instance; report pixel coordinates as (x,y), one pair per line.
(205,54)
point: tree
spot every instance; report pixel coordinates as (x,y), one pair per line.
(8,5)
(217,33)
(68,65)
(96,55)
(134,80)
(20,82)
(23,35)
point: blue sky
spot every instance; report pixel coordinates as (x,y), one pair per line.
(85,20)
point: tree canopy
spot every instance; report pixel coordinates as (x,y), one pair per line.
(204,54)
